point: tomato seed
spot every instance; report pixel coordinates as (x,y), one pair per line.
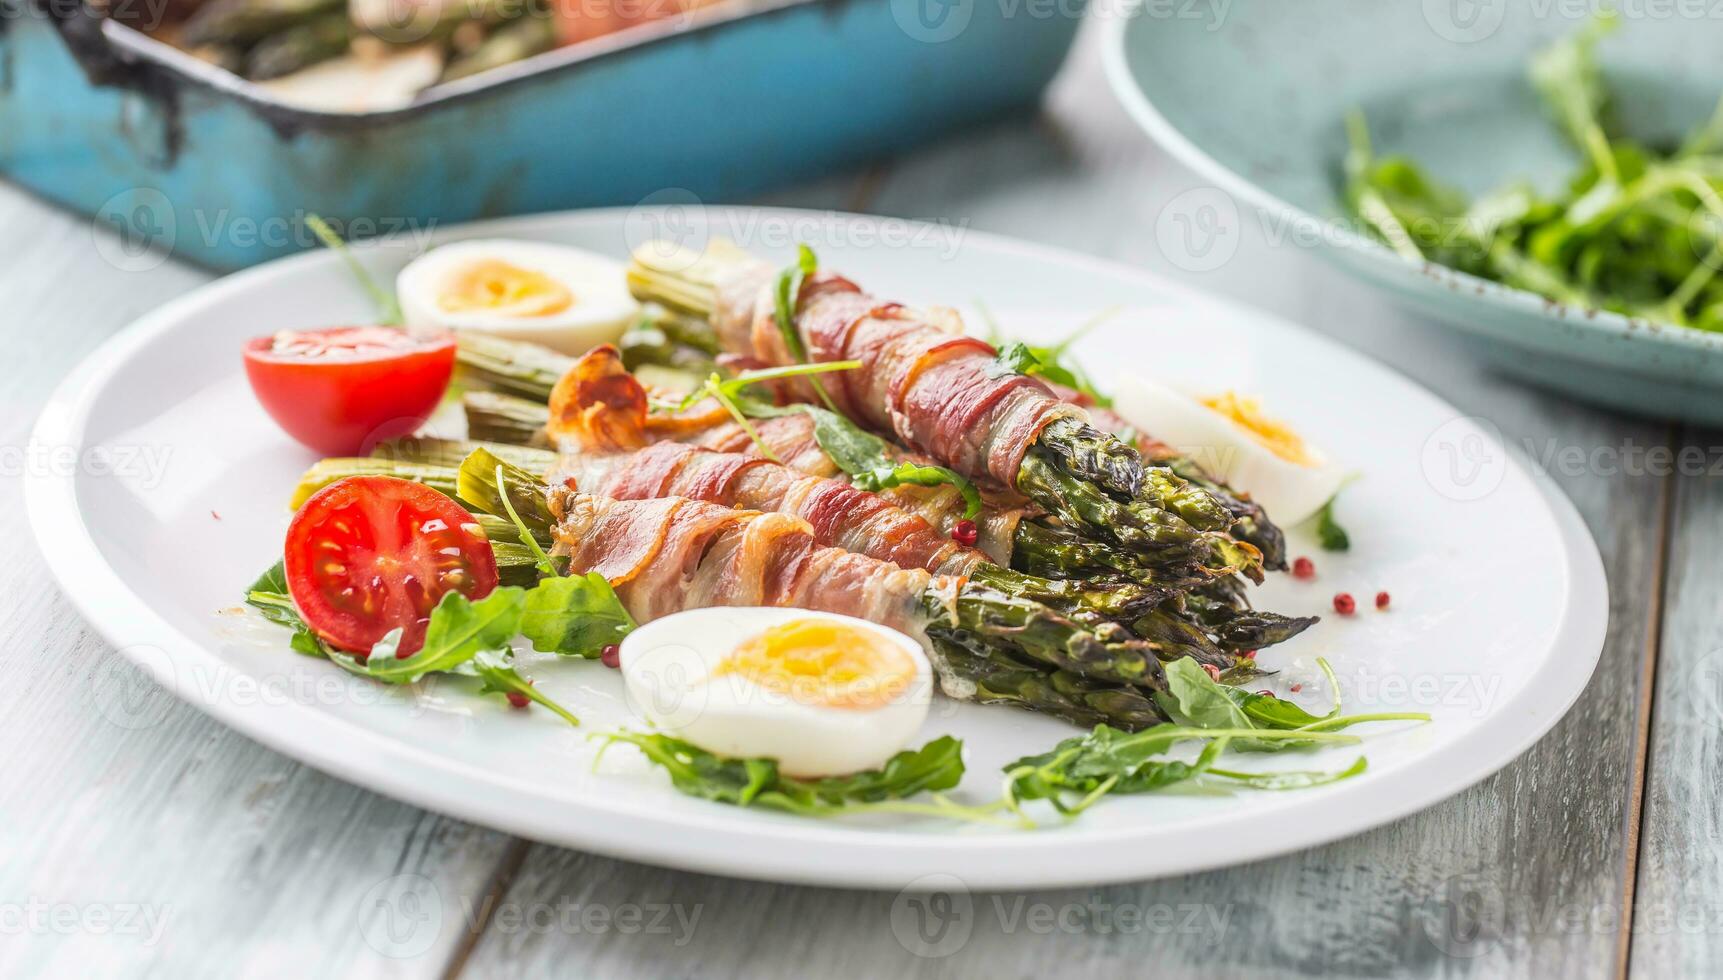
(1344,604)
(1382,600)
(1303,568)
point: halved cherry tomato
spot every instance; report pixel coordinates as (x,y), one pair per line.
(371,553)
(343,390)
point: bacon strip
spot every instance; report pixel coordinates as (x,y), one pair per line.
(669,554)
(599,407)
(838,515)
(937,392)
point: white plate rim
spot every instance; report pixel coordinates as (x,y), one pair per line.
(801,852)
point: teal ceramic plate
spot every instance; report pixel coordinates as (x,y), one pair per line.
(1254,93)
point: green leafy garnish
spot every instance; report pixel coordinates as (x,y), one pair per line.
(1635,231)
(574,615)
(1050,363)
(869,460)
(865,457)
(1106,761)
(269,596)
(936,766)
(1329,533)
(730,394)
(1196,700)
(471,639)
(458,630)
(496,669)
(785,297)
(388,305)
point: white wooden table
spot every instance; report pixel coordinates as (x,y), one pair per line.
(181,849)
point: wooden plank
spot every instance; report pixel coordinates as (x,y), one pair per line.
(1678,919)
(1487,884)
(138,836)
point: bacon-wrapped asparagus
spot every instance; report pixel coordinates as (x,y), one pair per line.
(670,553)
(944,394)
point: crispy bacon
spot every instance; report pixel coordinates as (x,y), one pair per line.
(839,515)
(671,553)
(938,392)
(592,410)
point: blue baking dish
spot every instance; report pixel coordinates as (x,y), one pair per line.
(178,155)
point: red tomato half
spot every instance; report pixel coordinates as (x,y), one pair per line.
(371,553)
(343,390)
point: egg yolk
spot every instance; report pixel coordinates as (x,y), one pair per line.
(825,663)
(1276,437)
(495,286)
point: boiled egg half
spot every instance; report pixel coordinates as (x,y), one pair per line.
(1230,436)
(821,694)
(565,298)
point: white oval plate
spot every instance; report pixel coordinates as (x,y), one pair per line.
(169,497)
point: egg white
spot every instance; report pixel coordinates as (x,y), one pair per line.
(1288,492)
(668,667)
(601,311)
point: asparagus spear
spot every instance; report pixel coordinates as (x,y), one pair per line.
(322,37)
(1087,478)
(509,366)
(243,22)
(514,41)
(496,417)
(994,616)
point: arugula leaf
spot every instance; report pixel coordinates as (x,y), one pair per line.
(496,669)
(1567,76)
(1049,363)
(936,766)
(1107,761)
(785,298)
(269,596)
(869,461)
(1329,533)
(458,630)
(388,304)
(470,638)
(574,615)
(1197,700)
